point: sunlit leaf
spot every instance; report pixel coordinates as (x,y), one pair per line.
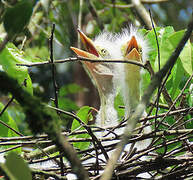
(9,57)
(186,54)
(117,103)
(85,115)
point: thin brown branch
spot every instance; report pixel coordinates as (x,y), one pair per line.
(87,128)
(77,59)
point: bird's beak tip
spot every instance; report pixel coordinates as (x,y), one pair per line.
(88,43)
(82,53)
(134,55)
(132,44)
(132,51)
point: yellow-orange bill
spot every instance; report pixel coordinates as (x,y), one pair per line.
(134,55)
(90,66)
(131,45)
(88,43)
(82,53)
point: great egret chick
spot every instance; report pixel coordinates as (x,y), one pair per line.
(133,47)
(100,73)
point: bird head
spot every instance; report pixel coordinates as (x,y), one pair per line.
(132,45)
(100,48)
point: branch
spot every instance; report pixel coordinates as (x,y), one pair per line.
(40,120)
(132,121)
(77,59)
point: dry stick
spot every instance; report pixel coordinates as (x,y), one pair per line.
(87,128)
(158,51)
(34,109)
(132,121)
(167,97)
(18,133)
(131,5)
(55,86)
(6,106)
(5,124)
(48,174)
(188,81)
(75,59)
(80,21)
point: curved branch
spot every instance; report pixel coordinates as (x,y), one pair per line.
(40,120)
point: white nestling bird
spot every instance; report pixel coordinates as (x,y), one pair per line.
(127,45)
(133,47)
(102,74)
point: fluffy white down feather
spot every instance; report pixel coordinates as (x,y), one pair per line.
(113,44)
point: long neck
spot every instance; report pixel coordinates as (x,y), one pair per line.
(132,87)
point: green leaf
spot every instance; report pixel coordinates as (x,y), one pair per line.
(165,47)
(6,132)
(70,89)
(67,104)
(177,77)
(9,57)
(117,103)
(162,35)
(85,115)
(186,54)
(17,17)
(16,168)
(6,118)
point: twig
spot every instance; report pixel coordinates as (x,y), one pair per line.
(55,85)
(87,128)
(158,51)
(124,6)
(47,174)
(76,59)
(34,109)
(182,91)
(3,123)
(80,21)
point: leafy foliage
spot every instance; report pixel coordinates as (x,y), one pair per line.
(108,17)
(17,17)
(9,57)
(85,114)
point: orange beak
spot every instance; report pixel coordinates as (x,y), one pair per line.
(89,45)
(132,51)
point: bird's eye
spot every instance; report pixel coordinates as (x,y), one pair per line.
(103,51)
(140,50)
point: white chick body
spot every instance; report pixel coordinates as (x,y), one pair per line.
(129,73)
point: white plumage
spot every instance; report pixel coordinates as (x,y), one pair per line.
(108,77)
